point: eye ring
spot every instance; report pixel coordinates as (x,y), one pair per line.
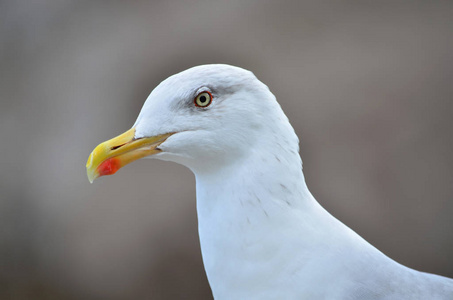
(203,99)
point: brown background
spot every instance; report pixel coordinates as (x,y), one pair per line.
(366,84)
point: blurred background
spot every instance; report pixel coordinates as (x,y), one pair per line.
(366,84)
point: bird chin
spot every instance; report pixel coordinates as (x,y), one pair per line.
(181,159)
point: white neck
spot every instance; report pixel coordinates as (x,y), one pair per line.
(242,224)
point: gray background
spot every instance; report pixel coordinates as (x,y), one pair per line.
(366,84)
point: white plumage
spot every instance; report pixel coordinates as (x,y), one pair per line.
(262,234)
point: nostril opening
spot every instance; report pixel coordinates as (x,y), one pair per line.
(116,147)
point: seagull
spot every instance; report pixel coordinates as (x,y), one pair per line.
(262,233)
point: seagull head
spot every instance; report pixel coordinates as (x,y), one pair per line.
(206,117)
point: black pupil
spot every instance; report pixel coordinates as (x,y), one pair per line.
(203,99)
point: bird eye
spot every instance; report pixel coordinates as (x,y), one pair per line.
(203,99)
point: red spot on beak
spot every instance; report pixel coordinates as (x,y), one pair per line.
(109,166)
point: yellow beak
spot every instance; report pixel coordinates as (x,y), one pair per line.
(110,156)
